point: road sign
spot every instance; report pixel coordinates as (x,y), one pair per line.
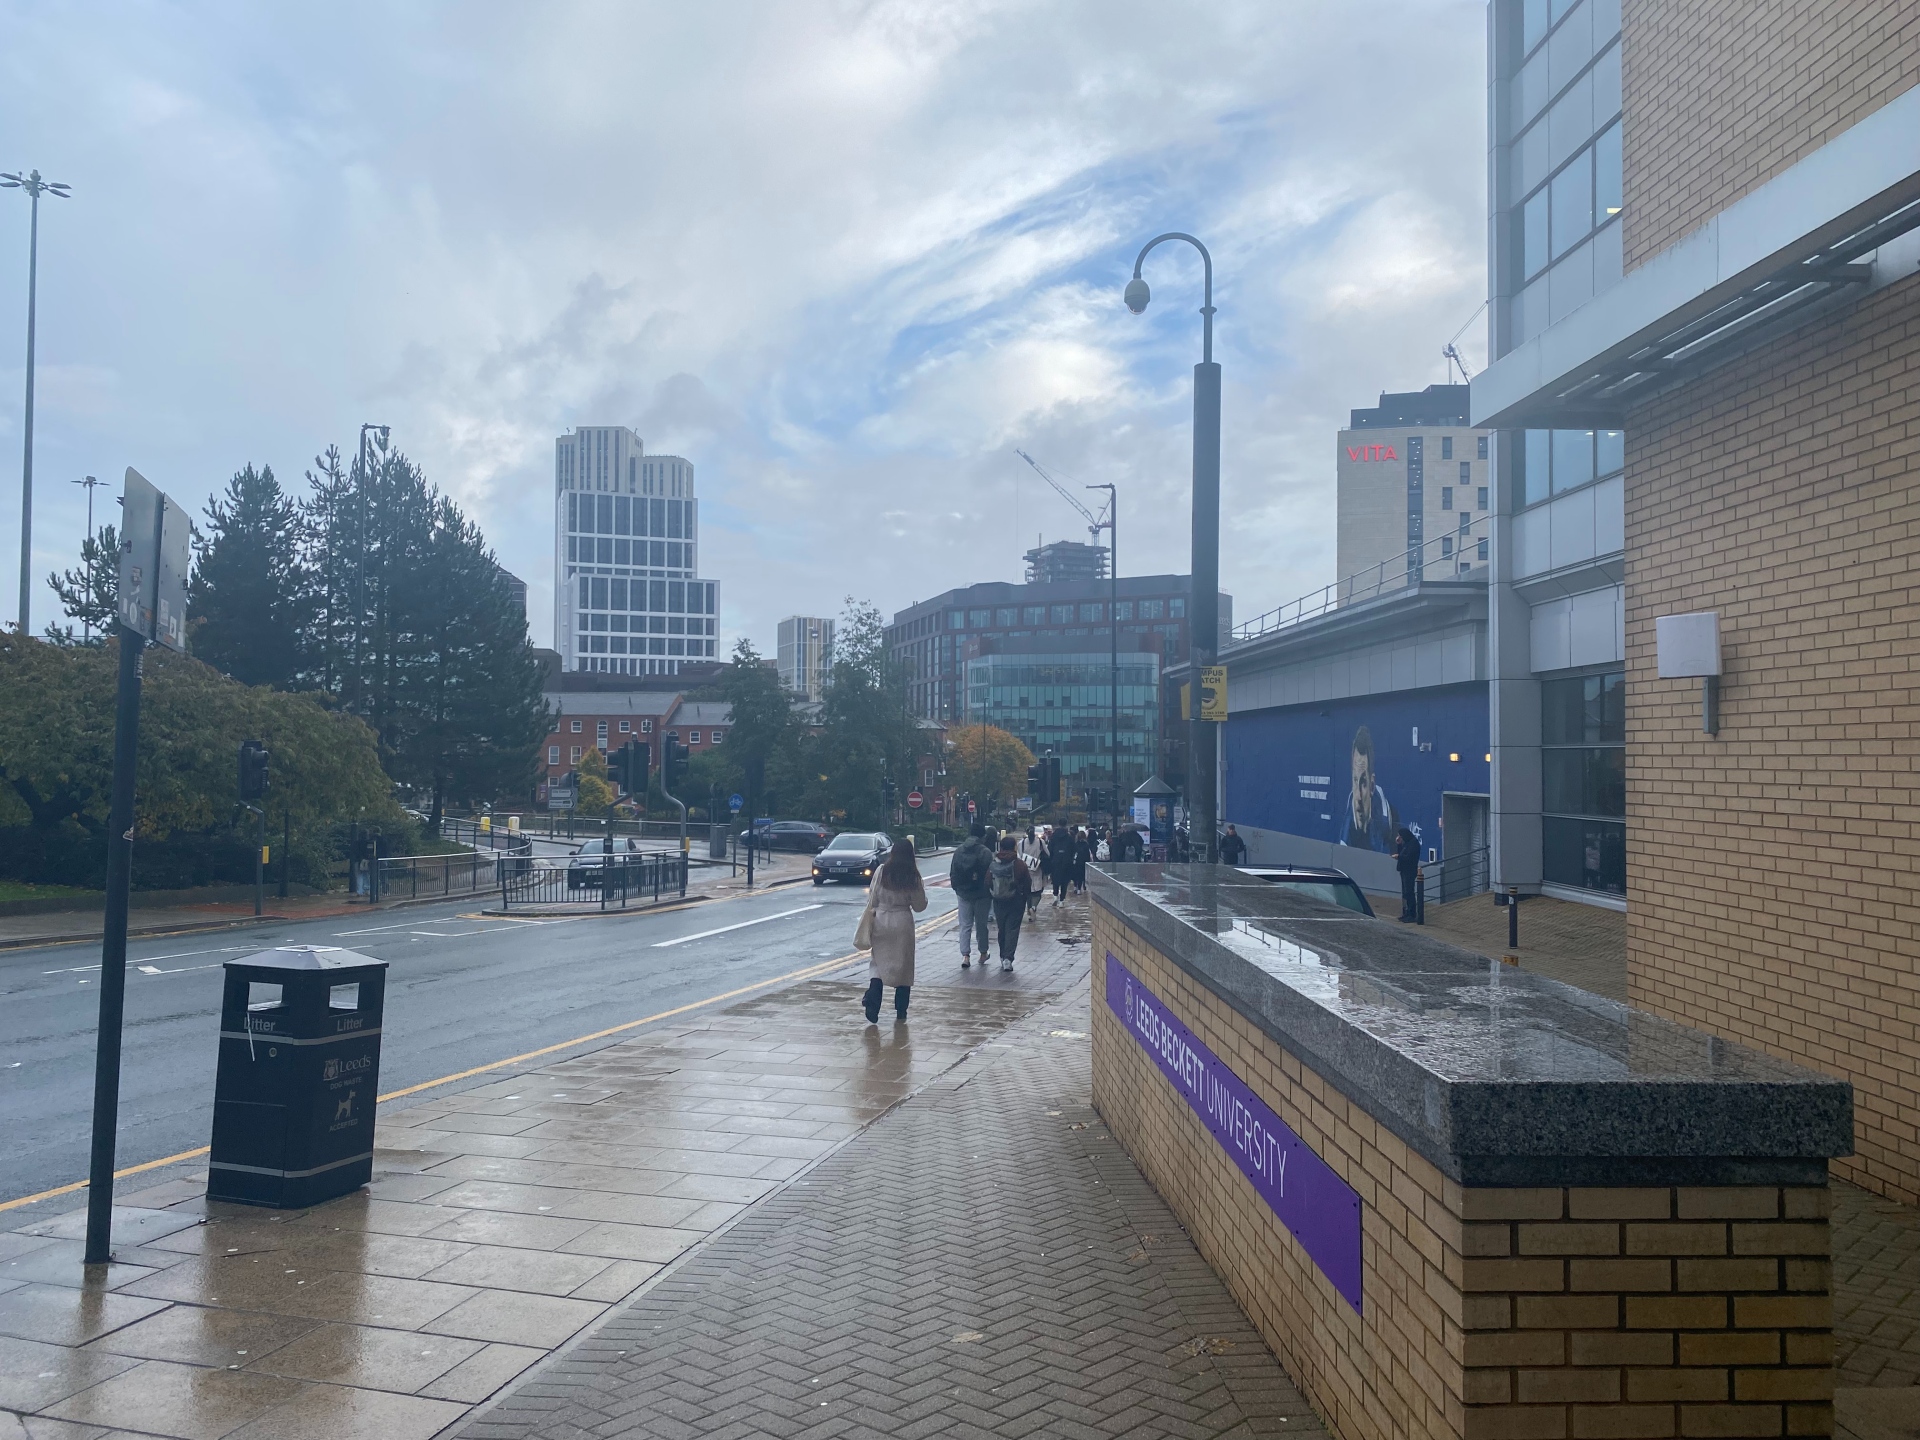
(915,799)
(734,802)
(154,559)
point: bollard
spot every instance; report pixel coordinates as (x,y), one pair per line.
(1513,917)
(1420,898)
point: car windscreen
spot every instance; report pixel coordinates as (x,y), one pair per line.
(592,847)
(851,842)
(1333,892)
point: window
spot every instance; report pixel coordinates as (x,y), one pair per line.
(553,754)
(576,755)
(1005,617)
(646,727)
(1533,235)
(1483,447)
(601,729)
(1123,610)
(1446,547)
(1466,521)
(714,737)
(626,727)
(1585,194)
(1092,612)
(1608,199)
(1176,608)
(576,727)
(1483,549)
(1466,472)
(1483,499)
(1584,781)
(978,618)
(1152,609)
(1446,447)
(1555,461)
(1034,615)
(693,737)
(1446,497)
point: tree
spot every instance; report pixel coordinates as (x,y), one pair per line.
(246,599)
(56,760)
(593,791)
(867,733)
(987,762)
(89,593)
(763,737)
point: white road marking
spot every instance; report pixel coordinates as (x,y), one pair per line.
(800,910)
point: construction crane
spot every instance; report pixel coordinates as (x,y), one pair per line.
(1451,351)
(1095,523)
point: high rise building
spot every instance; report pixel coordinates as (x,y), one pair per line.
(1414,493)
(1065,560)
(805,655)
(629,598)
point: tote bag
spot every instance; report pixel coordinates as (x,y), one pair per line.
(863,933)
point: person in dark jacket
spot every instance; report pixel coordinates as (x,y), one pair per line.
(1406,859)
(1082,853)
(1009,882)
(1060,862)
(968,875)
(1233,850)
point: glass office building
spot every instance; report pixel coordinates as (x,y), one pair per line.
(1062,705)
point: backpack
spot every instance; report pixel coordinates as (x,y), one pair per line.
(1004,883)
(969,870)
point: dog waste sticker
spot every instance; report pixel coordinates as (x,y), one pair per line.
(1318,1208)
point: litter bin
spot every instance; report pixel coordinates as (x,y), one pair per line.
(293,1099)
(717,842)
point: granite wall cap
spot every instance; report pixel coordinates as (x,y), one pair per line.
(1497,1075)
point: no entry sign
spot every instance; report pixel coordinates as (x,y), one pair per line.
(915,799)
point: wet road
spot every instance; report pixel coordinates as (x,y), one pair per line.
(463,991)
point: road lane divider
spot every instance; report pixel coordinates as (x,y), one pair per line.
(805,973)
(761,920)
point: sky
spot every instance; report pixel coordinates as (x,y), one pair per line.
(847,258)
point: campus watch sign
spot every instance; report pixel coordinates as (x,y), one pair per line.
(1319,1209)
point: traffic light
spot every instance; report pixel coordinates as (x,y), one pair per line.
(253,770)
(673,761)
(1043,780)
(888,789)
(1033,781)
(635,764)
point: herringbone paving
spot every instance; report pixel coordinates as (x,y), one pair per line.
(984,1261)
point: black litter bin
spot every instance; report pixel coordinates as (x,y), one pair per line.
(299,1072)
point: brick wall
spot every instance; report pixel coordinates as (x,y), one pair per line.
(1773,871)
(1711,112)
(1497,1313)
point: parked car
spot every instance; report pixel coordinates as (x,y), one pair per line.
(602,863)
(801,835)
(854,855)
(1335,887)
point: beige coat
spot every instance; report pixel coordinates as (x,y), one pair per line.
(893,925)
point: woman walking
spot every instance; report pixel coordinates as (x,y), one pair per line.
(1060,861)
(893,897)
(1082,852)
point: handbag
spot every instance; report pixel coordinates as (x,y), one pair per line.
(863,933)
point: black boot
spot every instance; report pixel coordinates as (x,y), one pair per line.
(900,994)
(870,1002)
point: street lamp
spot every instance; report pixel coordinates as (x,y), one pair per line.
(86,560)
(1203,616)
(35,187)
(1113,633)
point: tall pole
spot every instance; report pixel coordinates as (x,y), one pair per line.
(1203,612)
(113,951)
(26,456)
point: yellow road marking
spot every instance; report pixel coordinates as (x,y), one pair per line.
(804,973)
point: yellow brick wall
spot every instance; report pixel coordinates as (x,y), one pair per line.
(1711,110)
(1774,871)
(1496,1313)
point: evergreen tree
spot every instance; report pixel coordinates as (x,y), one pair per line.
(867,733)
(88,594)
(246,596)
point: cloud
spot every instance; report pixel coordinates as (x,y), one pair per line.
(845,257)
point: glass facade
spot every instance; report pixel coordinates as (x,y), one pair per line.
(1553,462)
(1062,705)
(1583,772)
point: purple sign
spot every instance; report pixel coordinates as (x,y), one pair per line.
(1320,1209)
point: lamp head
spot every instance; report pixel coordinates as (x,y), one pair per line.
(1138,295)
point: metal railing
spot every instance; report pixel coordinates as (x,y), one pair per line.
(609,882)
(410,877)
(1458,876)
(1455,549)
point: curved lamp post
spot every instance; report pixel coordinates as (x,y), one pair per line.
(1203,611)
(35,187)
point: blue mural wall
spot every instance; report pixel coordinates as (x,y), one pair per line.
(1348,771)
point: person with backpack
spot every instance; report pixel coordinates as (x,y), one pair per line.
(1009,882)
(968,874)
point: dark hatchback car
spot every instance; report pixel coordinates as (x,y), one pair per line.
(1335,887)
(801,835)
(852,856)
(604,863)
